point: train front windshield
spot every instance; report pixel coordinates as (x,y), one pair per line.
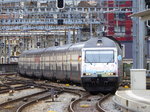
(99,56)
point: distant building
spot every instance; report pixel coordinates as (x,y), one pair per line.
(29,24)
(119,25)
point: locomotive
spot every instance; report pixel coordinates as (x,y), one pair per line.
(96,64)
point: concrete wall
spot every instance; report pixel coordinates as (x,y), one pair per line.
(128,49)
(7,68)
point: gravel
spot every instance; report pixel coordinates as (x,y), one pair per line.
(59,105)
(18,94)
(110,106)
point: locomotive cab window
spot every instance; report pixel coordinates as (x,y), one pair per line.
(97,56)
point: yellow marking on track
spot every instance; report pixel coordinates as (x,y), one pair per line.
(84,106)
(126,86)
(67,85)
(8,107)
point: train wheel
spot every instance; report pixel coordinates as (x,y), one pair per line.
(113,91)
(94,92)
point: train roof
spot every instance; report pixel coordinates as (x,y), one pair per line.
(103,41)
(34,51)
(93,42)
(56,48)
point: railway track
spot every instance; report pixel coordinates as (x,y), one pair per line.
(50,95)
(88,103)
(30,104)
(6,90)
(15,85)
(99,106)
(85,103)
(20,109)
(17,104)
(7,74)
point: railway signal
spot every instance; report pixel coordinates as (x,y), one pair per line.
(147,3)
(2,44)
(38,43)
(56,43)
(60,22)
(148,27)
(60,4)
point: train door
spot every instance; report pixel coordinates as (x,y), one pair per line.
(68,64)
(27,67)
(65,66)
(38,63)
(33,66)
(59,66)
(30,65)
(79,65)
(54,65)
(46,65)
(62,62)
(44,73)
(75,66)
(42,62)
(51,64)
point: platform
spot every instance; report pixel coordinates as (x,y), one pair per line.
(133,100)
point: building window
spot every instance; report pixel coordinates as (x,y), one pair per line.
(120,3)
(123,50)
(120,30)
(120,16)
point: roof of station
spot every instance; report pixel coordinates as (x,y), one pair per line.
(22,0)
(144,15)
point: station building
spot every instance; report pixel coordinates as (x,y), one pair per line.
(29,24)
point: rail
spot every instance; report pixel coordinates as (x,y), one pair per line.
(124,107)
(99,107)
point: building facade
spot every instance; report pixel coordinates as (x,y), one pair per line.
(29,24)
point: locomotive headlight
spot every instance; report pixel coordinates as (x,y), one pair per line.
(114,73)
(86,74)
(99,43)
(111,73)
(79,58)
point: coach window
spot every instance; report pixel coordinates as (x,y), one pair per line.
(74,60)
(68,61)
(32,61)
(25,62)
(50,58)
(59,58)
(123,50)
(47,62)
(28,61)
(2,60)
(35,67)
(21,60)
(7,60)
(54,60)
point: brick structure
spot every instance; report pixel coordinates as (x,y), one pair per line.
(119,24)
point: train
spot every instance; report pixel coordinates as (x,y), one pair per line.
(96,64)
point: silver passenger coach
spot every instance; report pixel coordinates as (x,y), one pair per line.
(96,64)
